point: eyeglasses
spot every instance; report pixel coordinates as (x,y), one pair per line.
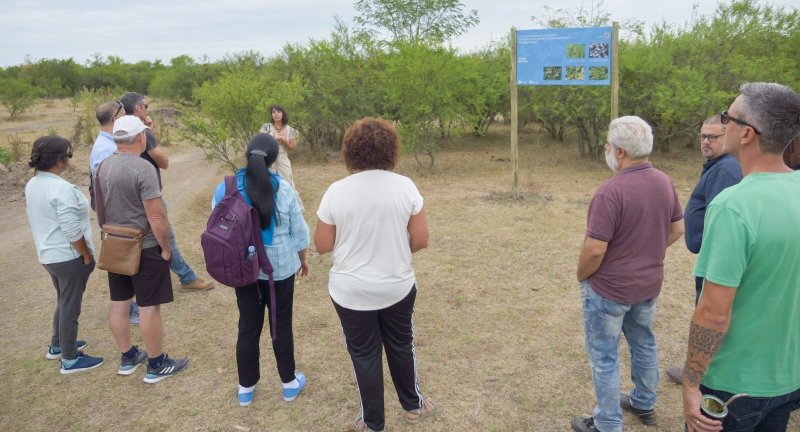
(710,138)
(724,118)
(69,155)
(118,110)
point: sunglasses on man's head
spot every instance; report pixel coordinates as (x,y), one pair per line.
(118,110)
(724,118)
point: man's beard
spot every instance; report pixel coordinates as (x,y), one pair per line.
(611,160)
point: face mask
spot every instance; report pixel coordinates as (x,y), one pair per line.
(611,159)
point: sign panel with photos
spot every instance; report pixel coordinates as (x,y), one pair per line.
(567,56)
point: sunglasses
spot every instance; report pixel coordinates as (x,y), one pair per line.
(69,155)
(118,110)
(724,118)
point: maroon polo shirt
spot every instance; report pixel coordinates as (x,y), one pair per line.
(632,212)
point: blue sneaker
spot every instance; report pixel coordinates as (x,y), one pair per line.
(54,352)
(133,314)
(246,399)
(128,366)
(84,363)
(169,367)
(289,394)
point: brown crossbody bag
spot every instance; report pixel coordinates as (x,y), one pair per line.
(120,246)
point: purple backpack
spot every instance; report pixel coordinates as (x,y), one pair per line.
(232,245)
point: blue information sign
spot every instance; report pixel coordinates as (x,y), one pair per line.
(576,56)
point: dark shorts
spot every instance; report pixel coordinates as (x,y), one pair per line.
(152,285)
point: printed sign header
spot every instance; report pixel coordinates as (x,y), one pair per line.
(577,56)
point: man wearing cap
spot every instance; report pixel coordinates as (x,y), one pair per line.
(132,197)
(720,171)
(136,105)
(745,332)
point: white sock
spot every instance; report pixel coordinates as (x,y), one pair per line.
(293,384)
(246,389)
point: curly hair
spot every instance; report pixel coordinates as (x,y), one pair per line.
(371,143)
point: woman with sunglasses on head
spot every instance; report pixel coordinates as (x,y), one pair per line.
(58,214)
(285,237)
(286,136)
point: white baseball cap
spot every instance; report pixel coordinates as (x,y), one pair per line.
(127,127)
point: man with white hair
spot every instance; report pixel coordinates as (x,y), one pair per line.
(745,331)
(633,218)
(129,195)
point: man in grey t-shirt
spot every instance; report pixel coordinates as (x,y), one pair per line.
(131,196)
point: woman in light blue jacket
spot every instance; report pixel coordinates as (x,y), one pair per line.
(285,236)
(58,213)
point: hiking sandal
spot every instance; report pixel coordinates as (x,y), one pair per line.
(417,415)
(361,426)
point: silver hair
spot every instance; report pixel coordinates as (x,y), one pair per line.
(775,110)
(633,135)
(716,119)
(127,141)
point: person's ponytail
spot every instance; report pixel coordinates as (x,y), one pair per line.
(261,154)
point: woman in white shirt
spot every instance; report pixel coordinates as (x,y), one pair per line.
(58,213)
(373,220)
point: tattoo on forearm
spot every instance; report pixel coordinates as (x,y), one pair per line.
(693,372)
(703,346)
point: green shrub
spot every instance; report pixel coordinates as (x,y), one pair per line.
(5,156)
(17,94)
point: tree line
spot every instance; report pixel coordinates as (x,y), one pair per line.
(403,69)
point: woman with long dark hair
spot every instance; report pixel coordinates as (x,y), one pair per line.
(58,213)
(286,136)
(285,237)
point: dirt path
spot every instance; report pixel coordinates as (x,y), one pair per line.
(188,176)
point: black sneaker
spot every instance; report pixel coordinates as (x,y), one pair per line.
(169,367)
(128,366)
(583,424)
(647,417)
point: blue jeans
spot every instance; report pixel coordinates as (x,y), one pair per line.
(177,264)
(604,321)
(757,414)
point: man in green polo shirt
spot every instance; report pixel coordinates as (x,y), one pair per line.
(745,332)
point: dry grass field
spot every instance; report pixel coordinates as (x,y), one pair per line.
(498,316)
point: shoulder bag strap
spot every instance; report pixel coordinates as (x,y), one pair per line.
(101,211)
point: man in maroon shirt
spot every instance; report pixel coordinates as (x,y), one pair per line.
(633,218)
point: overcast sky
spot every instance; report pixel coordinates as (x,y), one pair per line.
(150,29)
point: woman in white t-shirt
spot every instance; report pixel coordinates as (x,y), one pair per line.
(373,220)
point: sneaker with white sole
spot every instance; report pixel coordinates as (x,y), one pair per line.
(169,367)
(289,394)
(84,363)
(54,352)
(245,399)
(128,366)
